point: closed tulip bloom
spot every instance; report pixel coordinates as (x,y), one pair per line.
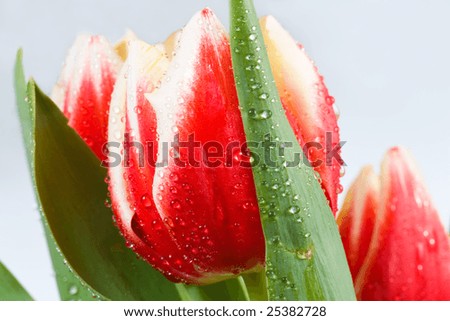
(183,194)
(84,89)
(408,257)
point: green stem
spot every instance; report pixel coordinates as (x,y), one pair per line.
(256,286)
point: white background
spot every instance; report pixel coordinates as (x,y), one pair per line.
(386,62)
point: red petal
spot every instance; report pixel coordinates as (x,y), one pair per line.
(357,217)
(409,257)
(84,90)
(197,224)
(308,105)
(131,182)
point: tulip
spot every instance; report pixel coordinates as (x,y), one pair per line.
(395,244)
(84,89)
(198,223)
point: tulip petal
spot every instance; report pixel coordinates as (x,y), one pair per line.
(357,217)
(84,89)
(308,105)
(121,47)
(132,121)
(409,256)
(211,211)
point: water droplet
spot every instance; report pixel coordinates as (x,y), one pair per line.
(286,281)
(250,57)
(339,188)
(342,171)
(175,204)
(307,235)
(255,86)
(174,177)
(73,290)
(294,209)
(304,255)
(263,96)
(275,240)
(329,100)
(252,37)
(108,203)
(146,200)
(259,115)
(271,275)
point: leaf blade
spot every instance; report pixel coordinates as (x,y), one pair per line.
(65,279)
(10,288)
(67,170)
(305,259)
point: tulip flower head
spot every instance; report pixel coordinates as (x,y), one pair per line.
(396,246)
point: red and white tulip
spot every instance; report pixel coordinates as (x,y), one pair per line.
(396,246)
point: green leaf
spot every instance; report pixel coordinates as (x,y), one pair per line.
(10,288)
(71,190)
(305,259)
(69,285)
(90,262)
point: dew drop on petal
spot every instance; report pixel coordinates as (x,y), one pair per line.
(146,201)
(175,204)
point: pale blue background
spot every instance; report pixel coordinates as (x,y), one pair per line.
(386,62)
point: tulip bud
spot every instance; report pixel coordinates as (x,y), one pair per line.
(84,89)
(409,253)
(197,224)
(184,195)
